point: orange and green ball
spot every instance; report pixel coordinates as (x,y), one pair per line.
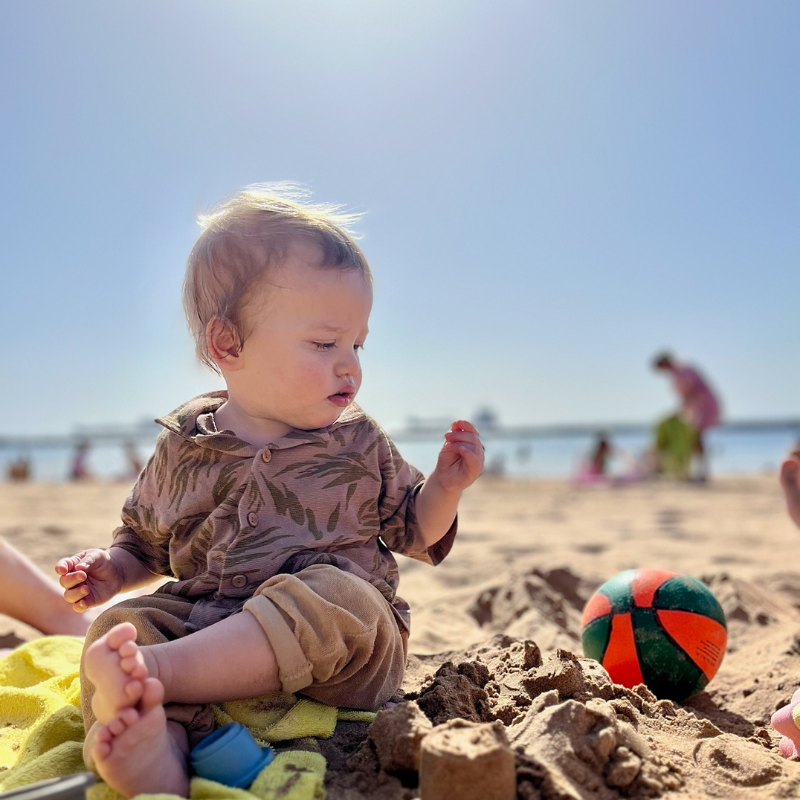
(658,628)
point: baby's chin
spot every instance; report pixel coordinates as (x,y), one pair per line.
(317,421)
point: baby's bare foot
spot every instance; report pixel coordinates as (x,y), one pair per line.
(790,481)
(135,753)
(114,664)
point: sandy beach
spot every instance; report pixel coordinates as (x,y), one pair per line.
(528,555)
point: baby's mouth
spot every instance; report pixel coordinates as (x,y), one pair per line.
(341,399)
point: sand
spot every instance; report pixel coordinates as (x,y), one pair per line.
(496,636)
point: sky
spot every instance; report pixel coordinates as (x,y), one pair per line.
(551,193)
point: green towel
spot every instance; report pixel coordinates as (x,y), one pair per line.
(675,443)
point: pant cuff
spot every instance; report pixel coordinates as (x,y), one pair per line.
(294,669)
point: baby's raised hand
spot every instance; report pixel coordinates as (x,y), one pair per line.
(89,578)
(790,481)
(461,458)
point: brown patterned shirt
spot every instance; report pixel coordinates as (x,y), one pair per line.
(222,516)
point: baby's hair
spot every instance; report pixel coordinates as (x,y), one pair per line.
(247,234)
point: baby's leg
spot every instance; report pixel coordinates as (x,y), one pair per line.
(790,481)
(230,660)
(140,751)
(115,666)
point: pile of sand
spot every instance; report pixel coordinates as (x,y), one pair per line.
(575,734)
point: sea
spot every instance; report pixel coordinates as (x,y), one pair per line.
(732,450)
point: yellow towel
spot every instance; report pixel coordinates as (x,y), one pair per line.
(41,728)
(279,716)
(285,717)
(293,775)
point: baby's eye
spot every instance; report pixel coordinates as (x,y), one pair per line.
(323,345)
(358,347)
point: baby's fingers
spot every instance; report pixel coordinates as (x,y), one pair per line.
(463,425)
(463,436)
(76,596)
(470,454)
(80,561)
(72,579)
(66,565)
(461,446)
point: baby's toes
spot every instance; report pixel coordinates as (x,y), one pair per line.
(128,648)
(134,666)
(101,750)
(103,734)
(133,691)
(118,725)
(121,636)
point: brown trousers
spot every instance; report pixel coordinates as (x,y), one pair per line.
(334,636)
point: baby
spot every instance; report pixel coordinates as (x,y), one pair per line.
(274,504)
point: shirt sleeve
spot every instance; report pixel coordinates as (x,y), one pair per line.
(399,528)
(143,533)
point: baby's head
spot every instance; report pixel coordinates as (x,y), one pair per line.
(277,296)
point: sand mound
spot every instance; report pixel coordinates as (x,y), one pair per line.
(574,734)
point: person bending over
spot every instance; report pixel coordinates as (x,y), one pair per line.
(700,407)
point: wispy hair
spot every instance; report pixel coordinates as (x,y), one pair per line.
(243,237)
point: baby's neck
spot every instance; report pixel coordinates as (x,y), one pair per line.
(253,430)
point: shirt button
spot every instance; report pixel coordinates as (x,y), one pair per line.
(266,454)
(252,519)
(239,581)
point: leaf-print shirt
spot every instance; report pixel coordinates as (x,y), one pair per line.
(222,516)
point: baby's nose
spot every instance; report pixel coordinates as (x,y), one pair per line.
(349,365)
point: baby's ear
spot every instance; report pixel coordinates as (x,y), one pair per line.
(222,341)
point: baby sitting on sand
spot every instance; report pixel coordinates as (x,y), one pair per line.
(275,505)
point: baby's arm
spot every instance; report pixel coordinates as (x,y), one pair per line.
(92,577)
(790,481)
(459,465)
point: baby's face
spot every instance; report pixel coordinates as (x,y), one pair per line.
(300,364)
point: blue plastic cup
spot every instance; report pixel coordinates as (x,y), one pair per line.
(231,756)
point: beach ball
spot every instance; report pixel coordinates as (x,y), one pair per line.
(658,628)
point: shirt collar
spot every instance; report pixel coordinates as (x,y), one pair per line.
(194,421)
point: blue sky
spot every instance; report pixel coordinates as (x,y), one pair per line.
(553,192)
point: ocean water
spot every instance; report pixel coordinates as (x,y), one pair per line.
(732,451)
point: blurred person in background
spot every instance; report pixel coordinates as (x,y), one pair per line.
(699,405)
(78,469)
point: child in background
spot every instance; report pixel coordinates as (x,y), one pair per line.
(275,505)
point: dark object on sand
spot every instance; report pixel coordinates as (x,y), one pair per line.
(73,787)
